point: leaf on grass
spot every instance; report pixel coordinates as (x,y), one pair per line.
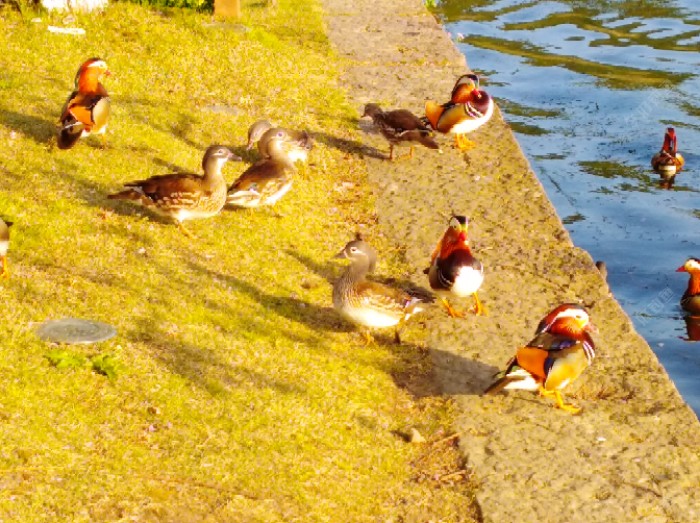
(105,364)
(63,359)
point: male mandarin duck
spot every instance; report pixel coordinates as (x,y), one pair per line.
(266,181)
(400,125)
(453,269)
(468,109)
(184,196)
(369,304)
(464,85)
(87,109)
(267,136)
(561,350)
(691,298)
(668,161)
(4,246)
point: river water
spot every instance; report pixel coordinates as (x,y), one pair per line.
(589,88)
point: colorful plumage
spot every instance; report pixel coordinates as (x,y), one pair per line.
(690,301)
(184,196)
(561,350)
(468,109)
(4,246)
(399,126)
(453,268)
(87,109)
(668,161)
(369,304)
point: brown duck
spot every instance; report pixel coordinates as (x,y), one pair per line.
(400,125)
(184,196)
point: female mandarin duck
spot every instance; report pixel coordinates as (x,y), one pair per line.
(370,304)
(668,161)
(87,109)
(400,125)
(691,298)
(4,246)
(561,350)
(266,181)
(266,135)
(468,109)
(184,196)
(453,269)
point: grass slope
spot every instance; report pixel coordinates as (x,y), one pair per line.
(239,393)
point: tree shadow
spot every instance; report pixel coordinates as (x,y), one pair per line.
(315,317)
(38,129)
(205,368)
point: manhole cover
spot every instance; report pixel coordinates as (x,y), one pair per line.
(75,330)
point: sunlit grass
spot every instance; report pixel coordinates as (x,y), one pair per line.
(239,394)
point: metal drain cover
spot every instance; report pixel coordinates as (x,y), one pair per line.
(75,330)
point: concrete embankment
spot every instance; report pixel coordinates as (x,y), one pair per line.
(633,454)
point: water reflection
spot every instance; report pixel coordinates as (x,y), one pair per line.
(590,87)
(692,325)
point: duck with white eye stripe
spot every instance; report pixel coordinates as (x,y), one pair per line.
(561,350)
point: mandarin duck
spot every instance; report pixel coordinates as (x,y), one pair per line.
(370,304)
(266,181)
(561,350)
(266,136)
(87,109)
(4,246)
(400,125)
(691,298)
(668,161)
(468,109)
(453,269)
(184,196)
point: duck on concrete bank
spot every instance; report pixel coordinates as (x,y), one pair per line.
(561,350)
(400,125)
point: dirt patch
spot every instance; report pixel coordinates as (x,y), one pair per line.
(633,454)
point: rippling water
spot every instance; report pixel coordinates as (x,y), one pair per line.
(589,88)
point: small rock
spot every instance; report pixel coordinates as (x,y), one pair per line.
(415,436)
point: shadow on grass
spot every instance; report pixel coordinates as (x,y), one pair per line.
(204,367)
(297,310)
(347,146)
(38,129)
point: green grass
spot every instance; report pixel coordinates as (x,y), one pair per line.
(233,391)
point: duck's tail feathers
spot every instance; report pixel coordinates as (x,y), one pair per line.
(70,133)
(134,194)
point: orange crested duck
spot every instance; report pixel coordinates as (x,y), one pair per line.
(87,109)
(400,125)
(668,161)
(561,350)
(453,268)
(366,303)
(690,300)
(183,196)
(468,109)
